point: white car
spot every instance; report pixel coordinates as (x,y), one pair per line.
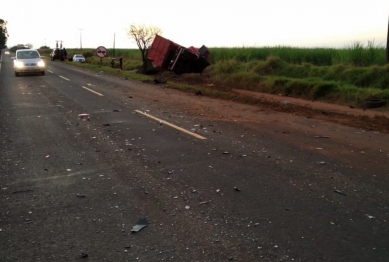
(79,58)
(28,61)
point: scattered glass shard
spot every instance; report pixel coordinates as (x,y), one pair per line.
(141,224)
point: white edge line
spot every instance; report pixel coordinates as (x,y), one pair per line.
(171,125)
(93,91)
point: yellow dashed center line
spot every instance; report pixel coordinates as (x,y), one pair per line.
(171,125)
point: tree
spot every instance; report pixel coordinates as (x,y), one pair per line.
(3,33)
(20,46)
(144,37)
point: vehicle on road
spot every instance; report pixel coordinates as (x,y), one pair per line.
(28,61)
(79,58)
(58,54)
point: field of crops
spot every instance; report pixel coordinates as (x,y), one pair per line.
(348,75)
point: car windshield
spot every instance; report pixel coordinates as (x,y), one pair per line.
(79,56)
(27,55)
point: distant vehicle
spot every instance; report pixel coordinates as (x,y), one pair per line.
(6,52)
(58,54)
(79,58)
(28,61)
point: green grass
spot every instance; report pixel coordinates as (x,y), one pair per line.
(345,76)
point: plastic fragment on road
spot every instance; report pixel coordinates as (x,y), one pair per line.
(84,116)
(340,192)
(141,224)
(22,191)
(236,189)
(83,255)
(80,195)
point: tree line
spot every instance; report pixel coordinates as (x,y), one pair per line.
(3,33)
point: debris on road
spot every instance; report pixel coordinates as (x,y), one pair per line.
(322,137)
(236,189)
(205,202)
(370,217)
(160,80)
(22,191)
(83,255)
(80,195)
(141,224)
(84,116)
(340,192)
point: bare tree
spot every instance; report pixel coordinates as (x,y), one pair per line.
(144,37)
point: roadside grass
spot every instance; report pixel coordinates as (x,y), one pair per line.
(347,85)
(346,76)
(355,54)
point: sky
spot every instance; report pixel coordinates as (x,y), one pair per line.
(227,23)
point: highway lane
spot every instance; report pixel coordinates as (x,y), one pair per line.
(238,191)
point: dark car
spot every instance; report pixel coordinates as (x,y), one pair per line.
(58,54)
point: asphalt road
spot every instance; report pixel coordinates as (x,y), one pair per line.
(210,189)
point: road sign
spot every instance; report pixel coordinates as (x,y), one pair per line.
(101,52)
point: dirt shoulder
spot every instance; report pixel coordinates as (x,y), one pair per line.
(369,119)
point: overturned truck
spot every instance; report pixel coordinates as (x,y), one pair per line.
(174,57)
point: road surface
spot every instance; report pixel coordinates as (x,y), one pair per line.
(85,156)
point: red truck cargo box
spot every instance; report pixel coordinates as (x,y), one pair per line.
(194,50)
(161,50)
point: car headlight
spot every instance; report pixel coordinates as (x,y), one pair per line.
(18,64)
(41,64)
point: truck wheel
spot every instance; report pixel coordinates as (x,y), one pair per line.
(374,103)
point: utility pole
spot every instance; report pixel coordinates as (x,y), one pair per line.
(113,53)
(80,38)
(387,45)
